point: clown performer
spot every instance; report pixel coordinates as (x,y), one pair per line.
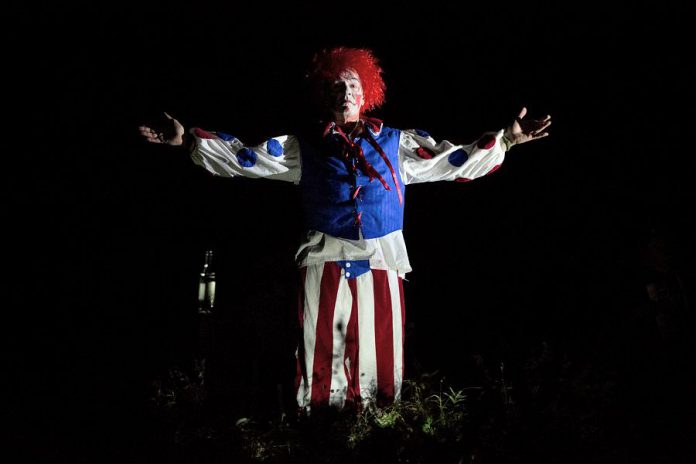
(353,177)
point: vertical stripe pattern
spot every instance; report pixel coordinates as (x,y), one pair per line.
(351,348)
(397,332)
(384,338)
(324,339)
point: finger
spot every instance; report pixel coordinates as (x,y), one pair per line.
(167,115)
(536,124)
(150,135)
(541,126)
(523,111)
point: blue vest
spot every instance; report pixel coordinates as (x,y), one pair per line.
(328,183)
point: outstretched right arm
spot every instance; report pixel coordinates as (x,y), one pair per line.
(225,155)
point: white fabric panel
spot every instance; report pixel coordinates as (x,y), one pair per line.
(339,382)
(415,169)
(367,355)
(387,252)
(397,332)
(311,311)
(220,158)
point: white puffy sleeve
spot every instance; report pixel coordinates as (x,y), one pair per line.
(225,155)
(422,159)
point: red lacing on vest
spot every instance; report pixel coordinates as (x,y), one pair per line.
(353,150)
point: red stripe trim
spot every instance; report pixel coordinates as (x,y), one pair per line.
(376,146)
(357,190)
(374,123)
(424,153)
(384,338)
(486,142)
(493,169)
(355,150)
(323,348)
(203,134)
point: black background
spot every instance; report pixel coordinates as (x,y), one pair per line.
(110,232)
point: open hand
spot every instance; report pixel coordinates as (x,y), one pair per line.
(526,130)
(169,131)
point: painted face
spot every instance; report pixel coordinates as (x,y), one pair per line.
(346,96)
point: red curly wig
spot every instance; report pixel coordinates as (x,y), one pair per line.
(327,66)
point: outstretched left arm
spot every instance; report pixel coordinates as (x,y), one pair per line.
(421,159)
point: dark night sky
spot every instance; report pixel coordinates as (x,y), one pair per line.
(546,249)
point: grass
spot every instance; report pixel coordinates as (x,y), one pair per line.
(545,408)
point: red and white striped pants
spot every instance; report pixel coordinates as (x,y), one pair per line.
(353,337)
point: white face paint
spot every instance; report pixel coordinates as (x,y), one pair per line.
(346,97)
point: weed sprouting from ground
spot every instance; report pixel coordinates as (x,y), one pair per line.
(546,407)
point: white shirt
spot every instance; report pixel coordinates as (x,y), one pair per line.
(421,159)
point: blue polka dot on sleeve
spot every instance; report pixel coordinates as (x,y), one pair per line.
(458,158)
(422,133)
(274,148)
(226,137)
(246,157)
